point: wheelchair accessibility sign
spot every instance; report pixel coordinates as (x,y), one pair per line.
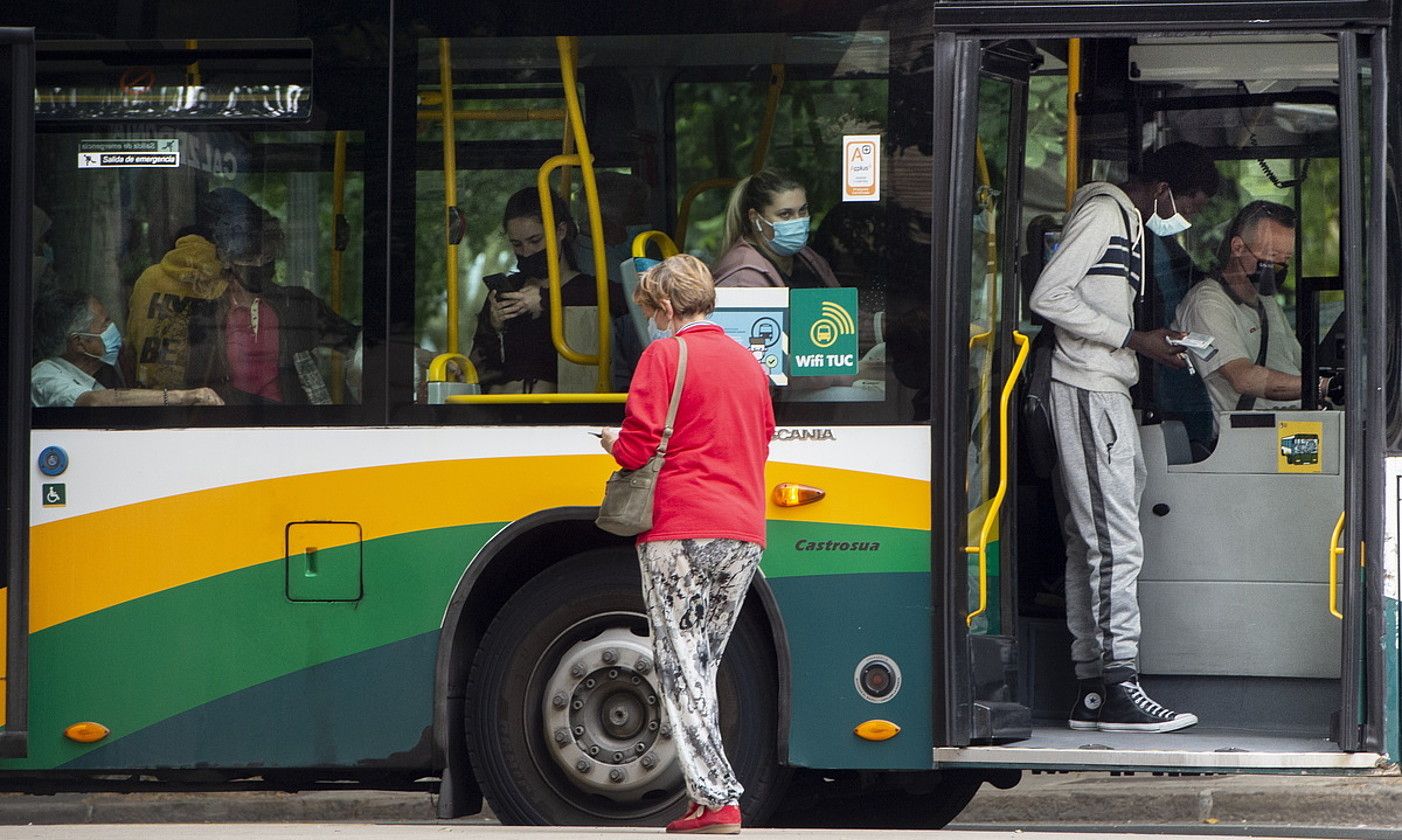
(823,336)
(53,495)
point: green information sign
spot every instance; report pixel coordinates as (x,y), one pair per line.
(823,332)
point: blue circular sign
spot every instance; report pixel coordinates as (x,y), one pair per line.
(53,461)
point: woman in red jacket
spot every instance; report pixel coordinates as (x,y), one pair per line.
(709,515)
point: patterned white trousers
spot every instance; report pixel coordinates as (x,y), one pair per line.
(694,590)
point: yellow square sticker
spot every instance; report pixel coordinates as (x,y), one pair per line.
(1300,446)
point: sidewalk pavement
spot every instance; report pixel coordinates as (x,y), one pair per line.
(1041,799)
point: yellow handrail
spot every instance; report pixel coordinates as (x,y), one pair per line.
(438,368)
(503,115)
(664,244)
(338,211)
(997,503)
(1335,551)
(1073,132)
(450,186)
(777,74)
(537,399)
(568,49)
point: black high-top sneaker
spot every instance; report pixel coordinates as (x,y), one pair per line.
(1086,713)
(1128,709)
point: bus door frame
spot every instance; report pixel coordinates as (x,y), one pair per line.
(1368,718)
(960,63)
(17,182)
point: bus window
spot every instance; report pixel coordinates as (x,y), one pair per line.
(226,260)
(670,134)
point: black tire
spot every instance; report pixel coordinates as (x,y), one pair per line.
(527,779)
(942,796)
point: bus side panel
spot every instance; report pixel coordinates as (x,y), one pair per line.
(851,575)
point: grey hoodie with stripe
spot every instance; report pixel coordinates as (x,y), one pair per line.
(1089,287)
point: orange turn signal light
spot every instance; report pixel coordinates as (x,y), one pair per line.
(793,495)
(86,732)
(877,730)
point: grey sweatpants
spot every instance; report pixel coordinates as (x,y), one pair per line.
(1102,475)
(694,590)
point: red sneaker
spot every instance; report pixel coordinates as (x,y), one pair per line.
(699,819)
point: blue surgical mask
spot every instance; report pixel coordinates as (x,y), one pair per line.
(655,332)
(1171,226)
(790,235)
(111,344)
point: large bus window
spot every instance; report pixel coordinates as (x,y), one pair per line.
(227,263)
(671,132)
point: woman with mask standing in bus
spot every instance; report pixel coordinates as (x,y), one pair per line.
(513,350)
(766,236)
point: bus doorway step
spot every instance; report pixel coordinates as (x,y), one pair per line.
(996,722)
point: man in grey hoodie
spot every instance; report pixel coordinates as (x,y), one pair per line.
(1087,291)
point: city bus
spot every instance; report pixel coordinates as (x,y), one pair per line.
(383,568)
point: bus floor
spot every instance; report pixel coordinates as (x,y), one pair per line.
(1196,749)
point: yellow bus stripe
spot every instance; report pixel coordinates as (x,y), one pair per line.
(88,563)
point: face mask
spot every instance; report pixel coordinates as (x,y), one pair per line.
(655,332)
(536,266)
(255,277)
(1173,225)
(789,236)
(111,344)
(1267,276)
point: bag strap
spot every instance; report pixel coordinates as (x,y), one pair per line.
(676,398)
(1246,402)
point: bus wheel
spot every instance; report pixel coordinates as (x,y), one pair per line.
(564,719)
(941,796)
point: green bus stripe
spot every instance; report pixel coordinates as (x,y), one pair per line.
(146,660)
(802,549)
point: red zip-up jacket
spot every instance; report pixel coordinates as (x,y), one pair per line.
(712,482)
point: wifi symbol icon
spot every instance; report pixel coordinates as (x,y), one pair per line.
(834,321)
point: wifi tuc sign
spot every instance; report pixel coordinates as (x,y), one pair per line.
(823,332)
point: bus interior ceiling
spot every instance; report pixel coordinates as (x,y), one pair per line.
(1235,621)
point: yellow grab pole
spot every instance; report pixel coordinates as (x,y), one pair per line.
(995,506)
(1073,122)
(568,49)
(771,107)
(450,186)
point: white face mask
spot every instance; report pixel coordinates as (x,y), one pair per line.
(1173,225)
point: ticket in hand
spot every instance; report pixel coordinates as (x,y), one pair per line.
(1199,344)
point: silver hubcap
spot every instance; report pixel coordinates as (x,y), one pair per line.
(603,718)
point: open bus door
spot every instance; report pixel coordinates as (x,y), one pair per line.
(16,252)
(1256,712)
(987,98)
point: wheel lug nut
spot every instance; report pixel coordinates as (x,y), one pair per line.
(618,758)
(617,774)
(562,736)
(644,665)
(666,730)
(577,705)
(640,748)
(652,726)
(610,656)
(578,670)
(637,680)
(590,683)
(559,700)
(582,765)
(594,750)
(649,761)
(578,731)
(613,674)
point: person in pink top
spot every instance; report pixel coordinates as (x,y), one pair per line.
(708,516)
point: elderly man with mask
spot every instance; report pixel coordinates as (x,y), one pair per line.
(1257,364)
(76,346)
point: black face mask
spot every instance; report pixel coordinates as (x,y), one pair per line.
(1268,277)
(536,266)
(257,277)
